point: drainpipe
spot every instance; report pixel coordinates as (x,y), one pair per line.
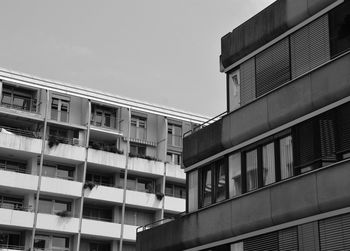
(84,175)
(164,172)
(43,145)
(125,181)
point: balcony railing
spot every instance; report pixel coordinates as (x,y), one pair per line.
(12,168)
(14,206)
(105,147)
(159,222)
(97,218)
(28,105)
(6,247)
(204,124)
(21,132)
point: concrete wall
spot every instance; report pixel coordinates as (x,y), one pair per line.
(267,25)
(312,91)
(293,199)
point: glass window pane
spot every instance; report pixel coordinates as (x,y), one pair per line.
(107,120)
(98,118)
(61,206)
(286,157)
(60,242)
(235,176)
(6,98)
(268,152)
(169,190)
(221,181)
(49,171)
(14,239)
(252,170)
(41,242)
(45,206)
(207,187)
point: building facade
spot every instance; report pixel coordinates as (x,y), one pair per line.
(81,169)
(273,172)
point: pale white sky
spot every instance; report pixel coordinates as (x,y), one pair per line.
(160,51)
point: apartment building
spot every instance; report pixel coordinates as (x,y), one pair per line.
(273,172)
(82,169)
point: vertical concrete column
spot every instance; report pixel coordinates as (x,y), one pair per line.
(115,245)
(117,179)
(27,239)
(29,201)
(74,241)
(0,88)
(116,214)
(32,166)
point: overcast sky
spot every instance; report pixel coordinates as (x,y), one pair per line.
(160,51)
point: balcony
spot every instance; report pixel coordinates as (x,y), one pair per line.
(107,230)
(321,87)
(28,182)
(313,193)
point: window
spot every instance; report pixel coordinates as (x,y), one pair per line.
(18,98)
(12,166)
(138,127)
(251,169)
(10,240)
(286,157)
(235,174)
(137,150)
(175,190)
(100,179)
(233,90)
(11,202)
(174,135)
(97,213)
(135,183)
(138,217)
(60,109)
(47,206)
(173,158)
(339,23)
(103,116)
(58,171)
(99,247)
(214,183)
(49,242)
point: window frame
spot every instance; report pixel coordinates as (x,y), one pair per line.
(60,103)
(213,168)
(172,135)
(138,123)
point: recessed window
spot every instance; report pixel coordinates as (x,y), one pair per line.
(174,158)
(138,127)
(103,116)
(214,183)
(174,135)
(234,97)
(18,98)
(137,150)
(49,242)
(52,206)
(60,109)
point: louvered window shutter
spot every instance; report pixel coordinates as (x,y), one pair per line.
(335,233)
(343,129)
(247,73)
(272,67)
(308,237)
(310,46)
(306,144)
(327,136)
(262,243)
(288,239)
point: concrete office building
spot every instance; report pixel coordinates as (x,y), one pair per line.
(63,166)
(274,172)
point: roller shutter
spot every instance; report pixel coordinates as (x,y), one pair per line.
(288,239)
(272,67)
(327,135)
(262,243)
(343,128)
(247,71)
(335,233)
(306,143)
(310,46)
(308,237)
